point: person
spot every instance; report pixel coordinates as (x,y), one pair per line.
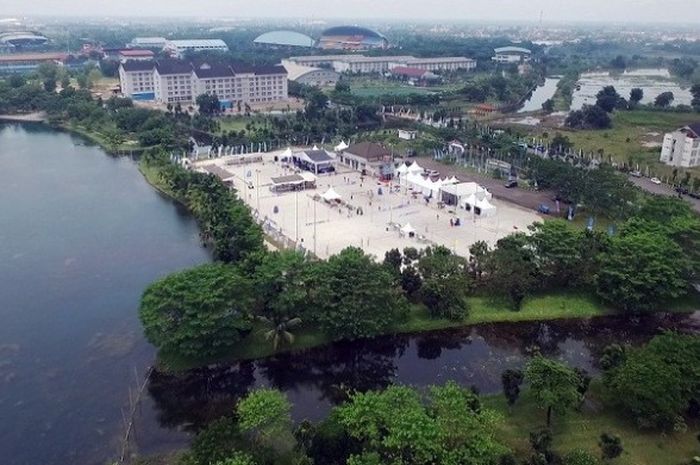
(452,223)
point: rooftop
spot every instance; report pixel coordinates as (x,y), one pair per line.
(187,43)
(49,56)
(138,65)
(370,151)
(511,49)
(285,38)
(136,53)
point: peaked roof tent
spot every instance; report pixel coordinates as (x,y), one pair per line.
(408,229)
(342,146)
(331,195)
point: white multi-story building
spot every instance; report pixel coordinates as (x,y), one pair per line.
(178,48)
(510,54)
(147,42)
(382,64)
(682,147)
(173,81)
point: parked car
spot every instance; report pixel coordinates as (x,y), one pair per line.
(682,190)
(655,180)
(695,195)
(636,173)
(511,183)
(544,209)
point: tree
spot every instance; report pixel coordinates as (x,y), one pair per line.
(353,296)
(411,280)
(452,428)
(642,270)
(579,457)
(636,96)
(200,311)
(695,92)
(548,105)
(208,104)
(511,381)
(610,446)
(238,458)
(618,62)
(265,416)
(557,251)
(445,283)
(653,400)
(664,99)
(554,385)
(280,329)
(512,269)
(478,256)
(281,284)
(607,98)
(49,85)
(393,261)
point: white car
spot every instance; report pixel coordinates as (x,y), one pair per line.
(655,180)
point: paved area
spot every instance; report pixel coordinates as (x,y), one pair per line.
(366,219)
(524,198)
(661,189)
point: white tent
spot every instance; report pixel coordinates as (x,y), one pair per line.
(287,153)
(407,229)
(486,208)
(342,146)
(453,180)
(415,168)
(314,147)
(330,195)
(403,169)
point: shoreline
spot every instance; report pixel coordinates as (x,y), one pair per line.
(36,117)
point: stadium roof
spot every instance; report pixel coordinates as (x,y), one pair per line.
(286,38)
(295,71)
(352,31)
(510,49)
(22,38)
(186,43)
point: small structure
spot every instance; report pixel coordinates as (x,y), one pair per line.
(405,134)
(408,230)
(512,54)
(369,158)
(682,147)
(331,196)
(293,182)
(309,75)
(340,147)
(315,160)
(462,194)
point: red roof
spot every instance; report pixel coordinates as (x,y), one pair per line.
(408,71)
(12,57)
(136,53)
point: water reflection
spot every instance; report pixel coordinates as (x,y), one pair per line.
(316,379)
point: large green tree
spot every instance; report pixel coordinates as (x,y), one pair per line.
(445,283)
(200,311)
(354,296)
(512,269)
(641,271)
(554,385)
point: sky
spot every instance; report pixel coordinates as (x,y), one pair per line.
(476,10)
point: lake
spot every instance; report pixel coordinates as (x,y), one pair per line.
(81,235)
(651,80)
(540,95)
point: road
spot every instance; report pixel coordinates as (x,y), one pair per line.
(661,189)
(524,198)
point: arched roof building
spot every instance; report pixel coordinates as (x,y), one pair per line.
(285,39)
(351,38)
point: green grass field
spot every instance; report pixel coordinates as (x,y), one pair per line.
(625,140)
(581,430)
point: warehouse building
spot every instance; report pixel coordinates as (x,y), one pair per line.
(361,64)
(157,43)
(311,76)
(283,39)
(512,55)
(351,38)
(178,48)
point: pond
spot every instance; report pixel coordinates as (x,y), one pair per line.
(316,379)
(540,95)
(653,81)
(81,235)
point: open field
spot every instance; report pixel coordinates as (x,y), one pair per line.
(581,430)
(370,215)
(635,136)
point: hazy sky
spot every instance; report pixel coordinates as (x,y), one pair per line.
(523,10)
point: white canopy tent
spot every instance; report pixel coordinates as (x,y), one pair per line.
(287,153)
(485,207)
(415,168)
(403,169)
(342,146)
(314,147)
(408,230)
(331,195)
(418,183)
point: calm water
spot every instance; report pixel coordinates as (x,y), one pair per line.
(540,95)
(316,379)
(81,236)
(652,81)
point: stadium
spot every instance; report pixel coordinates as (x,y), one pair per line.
(22,39)
(351,38)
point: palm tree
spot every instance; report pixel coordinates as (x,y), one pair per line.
(279,331)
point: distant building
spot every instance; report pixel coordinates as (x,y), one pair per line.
(18,40)
(173,81)
(130,54)
(681,148)
(381,64)
(157,43)
(20,63)
(407,135)
(351,38)
(178,48)
(369,158)
(309,75)
(415,75)
(281,39)
(512,55)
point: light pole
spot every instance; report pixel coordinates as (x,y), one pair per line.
(257,189)
(314,201)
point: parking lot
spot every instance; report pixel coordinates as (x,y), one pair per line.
(371,214)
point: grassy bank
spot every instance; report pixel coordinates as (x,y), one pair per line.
(581,430)
(551,306)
